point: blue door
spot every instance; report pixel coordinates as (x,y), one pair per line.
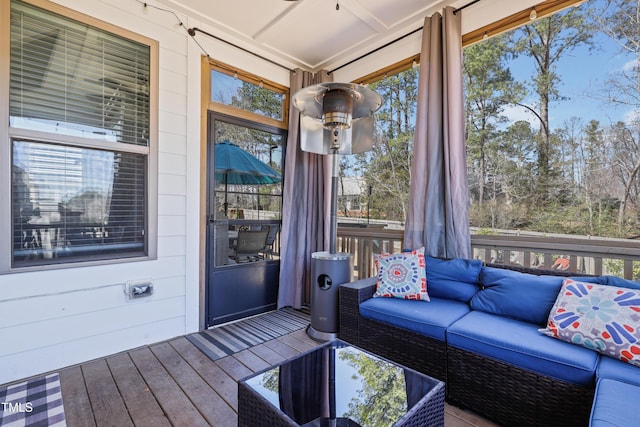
(244,200)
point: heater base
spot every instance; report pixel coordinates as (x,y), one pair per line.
(321,336)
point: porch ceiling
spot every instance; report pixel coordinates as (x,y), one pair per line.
(310,34)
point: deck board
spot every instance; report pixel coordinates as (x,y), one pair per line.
(143,408)
(211,406)
(217,378)
(179,409)
(281,348)
(300,344)
(77,406)
(251,360)
(107,404)
(267,354)
(234,368)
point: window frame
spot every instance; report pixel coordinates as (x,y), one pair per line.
(8,134)
(548,7)
(250,78)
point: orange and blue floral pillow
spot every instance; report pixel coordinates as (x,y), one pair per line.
(602,318)
(402,275)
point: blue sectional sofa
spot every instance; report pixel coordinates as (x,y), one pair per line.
(480,333)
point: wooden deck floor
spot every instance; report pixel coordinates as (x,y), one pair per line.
(174,384)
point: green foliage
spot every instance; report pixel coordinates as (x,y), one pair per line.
(387,167)
(489,88)
(382,401)
(546,41)
(615,267)
(580,178)
(260,100)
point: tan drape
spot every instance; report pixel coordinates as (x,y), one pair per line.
(438,214)
(305,205)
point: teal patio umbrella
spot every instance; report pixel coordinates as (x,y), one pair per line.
(235,166)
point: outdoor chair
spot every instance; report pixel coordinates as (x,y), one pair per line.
(250,245)
(271,238)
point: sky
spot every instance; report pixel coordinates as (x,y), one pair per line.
(584,74)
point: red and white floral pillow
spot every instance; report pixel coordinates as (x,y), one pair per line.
(402,275)
(602,318)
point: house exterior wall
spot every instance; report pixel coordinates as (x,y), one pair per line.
(59,317)
(54,318)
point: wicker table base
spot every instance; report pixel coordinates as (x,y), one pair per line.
(336,385)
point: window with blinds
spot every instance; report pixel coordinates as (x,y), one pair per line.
(74,79)
(79,117)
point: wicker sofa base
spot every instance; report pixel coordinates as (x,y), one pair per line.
(413,350)
(407,348)
(514,396)
(499,391)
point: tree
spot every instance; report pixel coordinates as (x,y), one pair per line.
(626,146)
(620,20)
(387,167)
(514,178)
(489,88)
(260,100)
(382,399)
(547,41)
(594,180)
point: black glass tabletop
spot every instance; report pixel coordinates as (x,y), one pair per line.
(340,385)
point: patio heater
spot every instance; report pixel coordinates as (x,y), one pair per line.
(336,118)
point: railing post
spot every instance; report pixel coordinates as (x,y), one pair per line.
(628,269)
(597,266)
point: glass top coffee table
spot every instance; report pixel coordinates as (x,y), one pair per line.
(340,385)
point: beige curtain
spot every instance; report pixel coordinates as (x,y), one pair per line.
(305,206)
(438,214)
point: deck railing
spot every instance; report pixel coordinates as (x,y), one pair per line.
(364,242)
(588,255)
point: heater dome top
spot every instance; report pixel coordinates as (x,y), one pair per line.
(310,100)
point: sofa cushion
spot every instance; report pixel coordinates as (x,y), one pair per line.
(430,319)
(455,279)
(608,280)
(614,369)
(402,275)
(520,344)
(517,295)
(602,318)
(615,404)
(618,281)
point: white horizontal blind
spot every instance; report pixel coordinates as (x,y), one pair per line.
(68,77)
(71,202)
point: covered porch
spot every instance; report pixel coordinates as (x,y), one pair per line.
(116,330)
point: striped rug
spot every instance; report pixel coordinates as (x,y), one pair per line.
(233,337)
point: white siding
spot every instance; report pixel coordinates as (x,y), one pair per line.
(55,318)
